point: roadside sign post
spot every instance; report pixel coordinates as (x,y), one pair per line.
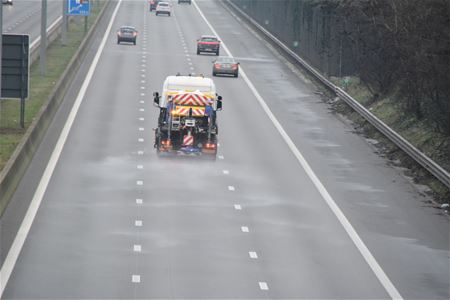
(15,69)
(78,8)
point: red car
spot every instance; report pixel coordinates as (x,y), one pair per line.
(208,43)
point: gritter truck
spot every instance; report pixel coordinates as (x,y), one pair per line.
(187,122)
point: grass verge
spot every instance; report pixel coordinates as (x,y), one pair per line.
(58,57)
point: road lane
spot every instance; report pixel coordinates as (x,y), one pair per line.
(24,16)
(199,223)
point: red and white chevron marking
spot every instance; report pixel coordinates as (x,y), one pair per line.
(191,99)
(184,111)
(188,140)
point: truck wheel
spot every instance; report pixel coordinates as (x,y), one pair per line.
(236,75)
(156,13)
(214,74)
(198,52)
(169,14)
(217,53)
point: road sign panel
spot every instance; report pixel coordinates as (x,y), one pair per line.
(78,7)
(15,66)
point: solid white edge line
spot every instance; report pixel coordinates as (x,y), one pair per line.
(19,240)
(365,252)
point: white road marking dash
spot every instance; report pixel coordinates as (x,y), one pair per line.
(263,285)
(244,229)
(253,255)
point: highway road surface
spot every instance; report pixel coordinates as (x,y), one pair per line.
(296,206)
(24,16)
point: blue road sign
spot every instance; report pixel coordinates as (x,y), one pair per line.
(78,7)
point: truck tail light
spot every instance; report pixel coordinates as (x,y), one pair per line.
(210,146)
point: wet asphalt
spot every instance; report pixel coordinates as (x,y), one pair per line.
(116,221)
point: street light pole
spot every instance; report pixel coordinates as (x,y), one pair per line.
(43,46)
(64,24)
(1,47)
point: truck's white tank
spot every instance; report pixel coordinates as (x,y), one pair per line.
(187,84)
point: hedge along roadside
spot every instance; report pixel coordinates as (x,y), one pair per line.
(18,163)
(430,165)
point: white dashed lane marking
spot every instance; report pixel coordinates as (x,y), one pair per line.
(140,152)
(137,248)
(142,101)
(253,255)
(237,207)
(244,229)
(141,140)
(140,167)
(142,94)
(226,172)
(139,201)
(139,182)
(263,285)
(141,109)
(231,188)
(141,119)
(138,223)
(221,157)
(141,128)
(136,278)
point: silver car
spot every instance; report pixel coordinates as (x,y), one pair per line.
(225,65)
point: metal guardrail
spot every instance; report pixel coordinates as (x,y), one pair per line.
(425,161)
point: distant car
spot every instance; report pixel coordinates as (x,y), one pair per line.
(153,4)
(7,2)
(225,65)
(163,8)
(127,34)
(208,43)
(184,1)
